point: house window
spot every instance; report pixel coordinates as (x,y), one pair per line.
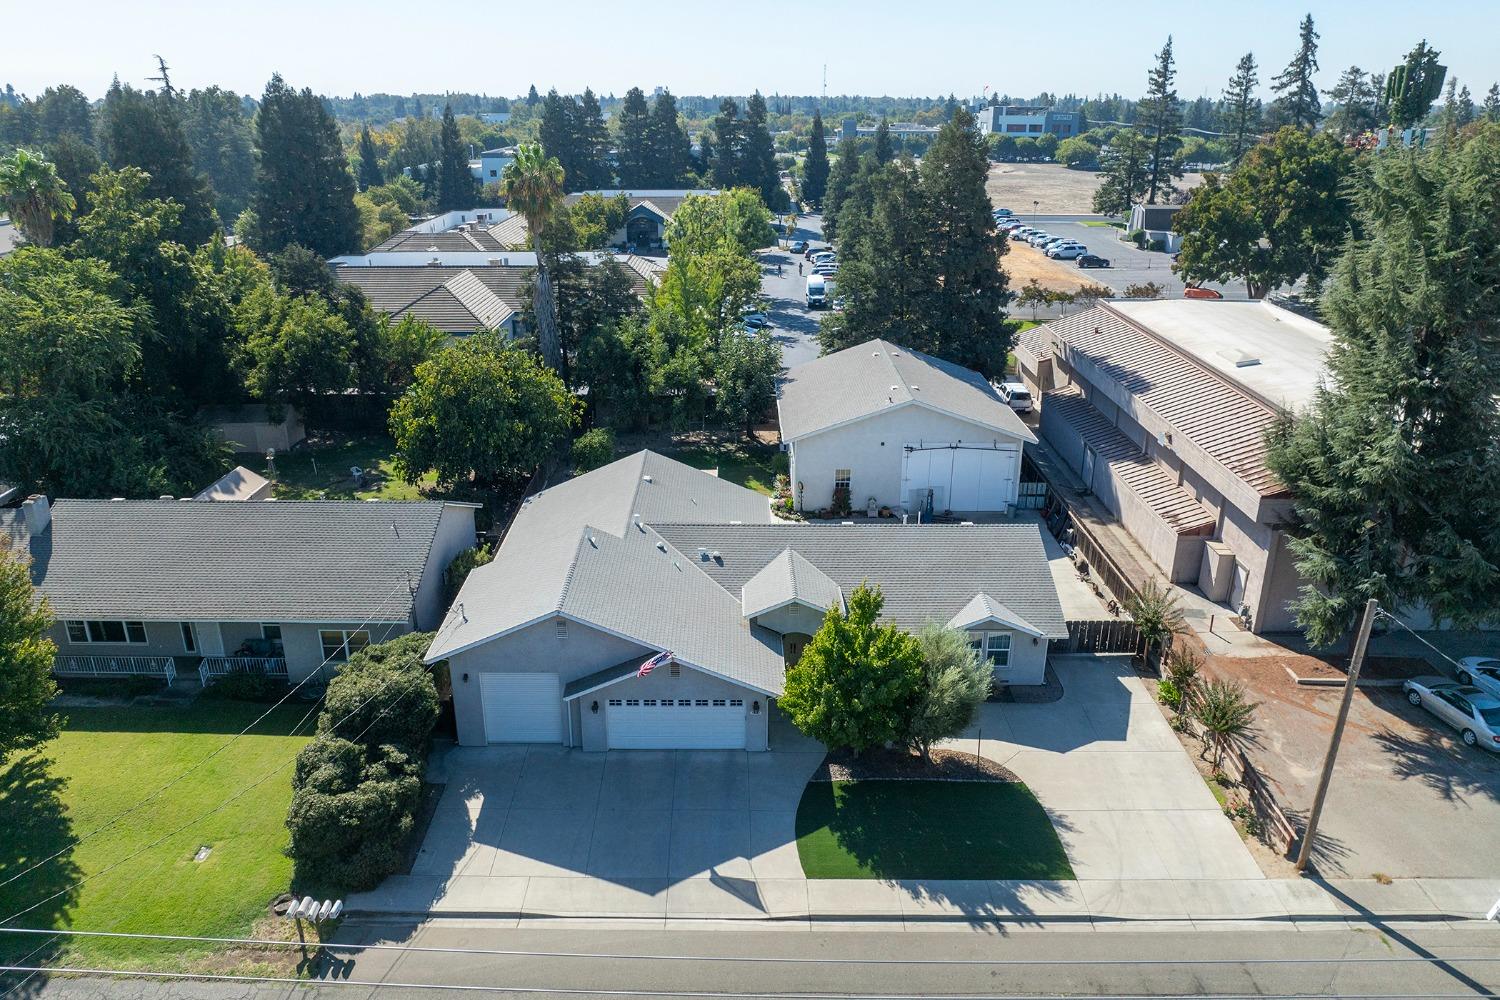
(189,637)
(272,635)
(340,644)
(107,631)
(991,646)
(841,479)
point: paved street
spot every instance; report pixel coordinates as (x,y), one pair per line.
(795,326)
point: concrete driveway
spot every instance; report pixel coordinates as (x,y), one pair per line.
(1124,797)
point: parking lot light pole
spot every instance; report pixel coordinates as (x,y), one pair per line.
(1361,641)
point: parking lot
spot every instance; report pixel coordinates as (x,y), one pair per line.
(1129,265)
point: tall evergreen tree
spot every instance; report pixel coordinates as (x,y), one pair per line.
(304,191)
(1241,106)
(1296,95)
(815,166)
(532,99)
(593,144)
(1160,113)
(144,129)
(559,137)
(759,164)
(729,145)
(64,111)
(218,131)
(1492,103)
(670,151)
(1465,112)
(1357,103)
(369,161)
(840,182)
(884,153)
(1126,173)
(707,154)
(633,127)
(1394,470)
(456,186)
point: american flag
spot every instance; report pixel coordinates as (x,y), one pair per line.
(665,656)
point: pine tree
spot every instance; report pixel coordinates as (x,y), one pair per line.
(729,144)
(558,136)
(883,152)
(304,191)
(532,99)
(1126,173)
(1492,103)
(840,181)
(815,166)
(1466,111)
(633,124)
(369,161)
(1297,96)
(1355,95)
(456,186)
(950,107)
(1241,107)
(1160,113)
(1393,470)
(707,154)
(760,170)
(670,152)
(144,130)
(592,144)
(218,131)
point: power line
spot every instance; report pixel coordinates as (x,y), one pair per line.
(1392,618)
(109,824)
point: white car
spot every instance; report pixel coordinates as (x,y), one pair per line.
(1015,394)
(1023,233)
(755,320)
(1051,245)
(1482,672)
(1068,251)
(1475,714)
(1041,238)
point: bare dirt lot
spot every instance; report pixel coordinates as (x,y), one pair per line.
(1055,189)
(1024,262)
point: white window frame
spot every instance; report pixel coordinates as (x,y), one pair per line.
(993,646)
(86,628)
(842,477)
(341,653)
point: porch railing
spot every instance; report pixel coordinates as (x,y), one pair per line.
(218,666)
(115,666)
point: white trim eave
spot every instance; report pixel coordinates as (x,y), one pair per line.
(1019,625)
(429,658)
(789,601)
(691,666)
(1025,436)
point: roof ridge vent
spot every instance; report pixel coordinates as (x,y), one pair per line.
(648,479)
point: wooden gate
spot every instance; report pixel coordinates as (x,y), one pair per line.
(1115,635)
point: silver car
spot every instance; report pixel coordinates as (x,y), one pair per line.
(1481,671)
(1475,714)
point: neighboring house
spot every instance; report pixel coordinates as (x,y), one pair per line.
(1023,121)
(1156,222)
(460,229)
(902,429)
(255,428)
(601,574)
(491,164)
(10,237)
(238,484)
(279,586)
(1161,408)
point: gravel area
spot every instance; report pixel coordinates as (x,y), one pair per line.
(899,765)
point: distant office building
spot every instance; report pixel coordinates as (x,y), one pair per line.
(851,129)
(1011,119)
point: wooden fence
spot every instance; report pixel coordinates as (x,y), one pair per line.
(1113,635)
(1280,832)
(1100,562)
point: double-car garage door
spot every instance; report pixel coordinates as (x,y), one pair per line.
(527,708)
(959,477)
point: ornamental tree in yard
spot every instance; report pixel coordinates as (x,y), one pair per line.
(26,652)
(954,681)
(856,681)
(480,410)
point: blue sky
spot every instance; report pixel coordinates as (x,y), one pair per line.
(870,47)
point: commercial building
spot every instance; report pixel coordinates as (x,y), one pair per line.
(1015,120)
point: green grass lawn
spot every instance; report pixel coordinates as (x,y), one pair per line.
(753,466)
(926,830)
(105,761)
(1098,224)
(319,470)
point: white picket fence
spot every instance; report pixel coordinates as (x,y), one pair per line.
(115,666)
(214,667)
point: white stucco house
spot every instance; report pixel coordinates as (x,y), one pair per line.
(602,574)
(900,429)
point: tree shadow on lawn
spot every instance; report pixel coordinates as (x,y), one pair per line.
(200,717)
(36,827)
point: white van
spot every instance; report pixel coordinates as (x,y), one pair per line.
(817,292)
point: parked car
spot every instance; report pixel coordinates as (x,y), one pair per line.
(1016,394)
(1021,232)
(827,270)
(1200,293)
(1482,672)
(797,246)
(1061,241)
(1008,224)
(1475,714)
(755,320)
(1003,213)
(1040,239)
(1067,252)
(1093,260)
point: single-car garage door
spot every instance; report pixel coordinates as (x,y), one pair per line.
(676,723)
(521,708)
(960,478)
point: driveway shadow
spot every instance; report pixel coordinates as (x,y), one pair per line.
(1439,763)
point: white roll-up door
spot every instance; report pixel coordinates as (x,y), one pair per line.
(961,478)
(521,708)
(676,723)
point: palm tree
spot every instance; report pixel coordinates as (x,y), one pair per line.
(533,186)
(33,194)
(1157,616)
(1226,719)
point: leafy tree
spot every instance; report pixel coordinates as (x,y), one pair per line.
(617,361)
(34,196)
(1278,217)
(456,187)
(1157,614)
(633,124)
(401,346)
(592,449)
(815,166)
(533,186)
(218,132)
(1393,468)
(369,162)
(1226,719)
(1356,97)
(304,192)
(1076,151)
(480,411)
(746,368)
(76,163)
(703,222)
(26,651)
(589,295)
(1413,85)
(1160,113)
(670,151)
(589,223)
(1296,95)
(64,112)
(1241,107)
(857,679)
(145,130)
(1126,173)
(296,348)
(954,682)
(882,149)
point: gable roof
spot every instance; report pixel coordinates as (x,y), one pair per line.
(877,376)
(239,483)
(787,578)
(984,609)
(159,560)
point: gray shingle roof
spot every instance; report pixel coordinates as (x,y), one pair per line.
(877,376)
(319,561)
(789,577)
(928,573)
(984,609)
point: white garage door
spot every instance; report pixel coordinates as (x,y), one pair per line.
(521,708)
(676,723)
(962,479)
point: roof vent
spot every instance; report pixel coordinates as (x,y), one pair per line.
(493,262)
(661,546)
(716,556)
(915,388)
(635,519)
(647,479)
(1240,359)
(703,553)
(593,541)
(895,388)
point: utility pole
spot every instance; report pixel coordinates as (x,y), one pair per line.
(1361,641)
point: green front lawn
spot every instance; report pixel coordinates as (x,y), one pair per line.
(753,466)
(319,470)
(109,759)
(1099,224)
(926,830)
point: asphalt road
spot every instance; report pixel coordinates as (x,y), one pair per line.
(1374,961)
(795,327)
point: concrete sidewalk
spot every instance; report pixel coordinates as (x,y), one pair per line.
(830,904)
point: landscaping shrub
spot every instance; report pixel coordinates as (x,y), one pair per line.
(1170,694)
(593,449)
(245,685)
(954,681)
(384,694)
(462,565)
(352,812)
